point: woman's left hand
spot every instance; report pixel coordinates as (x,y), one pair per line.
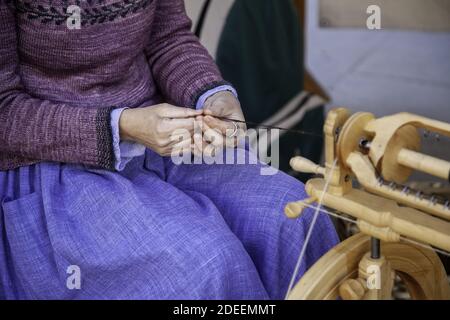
(219,133)
(224,105)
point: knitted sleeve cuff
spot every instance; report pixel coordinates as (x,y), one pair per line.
(105,150)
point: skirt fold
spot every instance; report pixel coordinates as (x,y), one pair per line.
(153,231)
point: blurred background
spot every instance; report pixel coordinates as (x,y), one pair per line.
(328,50)
(293,60)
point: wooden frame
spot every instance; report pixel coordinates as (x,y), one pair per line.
(378,154)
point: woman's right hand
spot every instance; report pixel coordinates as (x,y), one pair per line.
(163,128)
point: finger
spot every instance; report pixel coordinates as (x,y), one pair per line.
(202,148)
(198,145)
(172,124)
(181,148)
(169,111)
(224,126)
(230,142)
(168,145)
(209,151)
(182,144)
(198,125)
(231,131)
(212,136)
(208,112)
(179,135)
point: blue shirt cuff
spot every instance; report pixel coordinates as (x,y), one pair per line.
(124,151)
(201,101)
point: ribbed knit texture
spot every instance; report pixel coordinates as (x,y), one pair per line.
(58,86)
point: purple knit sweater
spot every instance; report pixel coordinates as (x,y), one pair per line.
(58,85)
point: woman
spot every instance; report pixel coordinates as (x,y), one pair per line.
(86,186)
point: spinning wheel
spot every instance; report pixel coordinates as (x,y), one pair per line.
(400,228)
(337,274)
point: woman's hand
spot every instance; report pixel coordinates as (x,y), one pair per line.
(223,105)
(163,128)
(219,133)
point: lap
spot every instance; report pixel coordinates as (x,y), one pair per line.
(239,187)
(107,223)
(168,226)
(253,204)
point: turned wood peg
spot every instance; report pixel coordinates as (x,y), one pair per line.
(422,162)
(304,165)
(294,209)
(353,289)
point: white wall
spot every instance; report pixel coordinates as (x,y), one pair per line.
(383,72)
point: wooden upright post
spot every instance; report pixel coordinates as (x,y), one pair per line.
(310,84)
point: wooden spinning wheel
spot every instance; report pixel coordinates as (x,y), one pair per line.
(338,274)
(400,228)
